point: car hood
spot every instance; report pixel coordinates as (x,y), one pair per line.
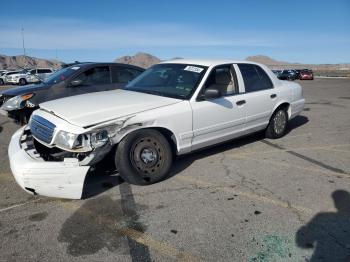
(94,108)
(21,90)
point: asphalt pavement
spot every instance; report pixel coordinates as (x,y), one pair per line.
(251,199)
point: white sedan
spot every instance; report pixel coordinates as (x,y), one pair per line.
(171,109)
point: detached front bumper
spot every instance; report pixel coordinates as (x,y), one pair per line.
(36,176)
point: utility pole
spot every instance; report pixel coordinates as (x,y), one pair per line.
(24,49)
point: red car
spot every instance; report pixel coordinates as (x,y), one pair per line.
(306,75)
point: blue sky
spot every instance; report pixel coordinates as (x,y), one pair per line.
(294,31)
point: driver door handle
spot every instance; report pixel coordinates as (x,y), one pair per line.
(240,102)
(273,96)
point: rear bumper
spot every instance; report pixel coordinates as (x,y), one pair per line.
(54,179)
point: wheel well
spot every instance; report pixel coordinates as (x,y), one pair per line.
(166,133)
(169,136)
(286,106)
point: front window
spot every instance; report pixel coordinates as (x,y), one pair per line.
(95,76)
(170,80)
(61,75)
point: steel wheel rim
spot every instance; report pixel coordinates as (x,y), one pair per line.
(280,121)
(146,156)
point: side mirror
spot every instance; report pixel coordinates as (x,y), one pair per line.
(211,93)
(76,82)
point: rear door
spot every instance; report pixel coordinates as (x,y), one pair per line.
(44,73)
(260,96)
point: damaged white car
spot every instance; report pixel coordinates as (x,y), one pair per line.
(171,109)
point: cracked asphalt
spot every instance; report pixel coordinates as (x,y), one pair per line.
(250,199)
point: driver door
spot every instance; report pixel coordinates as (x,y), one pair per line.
(222,118)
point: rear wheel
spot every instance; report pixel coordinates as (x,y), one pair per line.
(144,157)
(278,124)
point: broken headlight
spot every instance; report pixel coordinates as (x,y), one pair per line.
(69,141)
(83,142)
(99,139)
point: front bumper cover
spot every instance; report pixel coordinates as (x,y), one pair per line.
(36,176)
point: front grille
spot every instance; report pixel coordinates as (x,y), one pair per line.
(42,129)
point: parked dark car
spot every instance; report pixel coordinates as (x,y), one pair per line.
(19,102)
(276,72)
(297,73)
(306,74)
(287,75)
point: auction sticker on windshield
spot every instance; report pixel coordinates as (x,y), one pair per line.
(193,69)
(75,67)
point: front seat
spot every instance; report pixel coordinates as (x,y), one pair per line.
(223,83)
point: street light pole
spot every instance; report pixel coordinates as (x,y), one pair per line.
(24,49)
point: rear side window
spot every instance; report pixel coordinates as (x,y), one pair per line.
(255,78)
(95,76)
(44,71)
(123,75)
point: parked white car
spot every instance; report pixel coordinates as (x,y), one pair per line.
(6,75)
(171,109)
(31,76)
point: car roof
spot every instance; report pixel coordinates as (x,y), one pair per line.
(207,62)
(84,64)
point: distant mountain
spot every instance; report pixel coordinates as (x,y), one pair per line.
(21,61)
(275,64)
(143,60)
(265,60)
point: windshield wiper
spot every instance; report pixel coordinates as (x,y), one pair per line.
(151,92)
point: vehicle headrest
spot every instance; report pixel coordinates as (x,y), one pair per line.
(222,78)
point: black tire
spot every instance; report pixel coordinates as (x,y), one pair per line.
(22,82)
(1,82)
(278,124)
(144,157)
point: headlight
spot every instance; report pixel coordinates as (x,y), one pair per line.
(82,142)
(99,139)
(68,140)
(16,102)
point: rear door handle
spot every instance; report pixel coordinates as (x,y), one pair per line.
(273,96)
(241,102)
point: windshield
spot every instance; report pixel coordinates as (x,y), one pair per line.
(61,75)
(170,80)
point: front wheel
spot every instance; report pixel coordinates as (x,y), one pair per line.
(144,157)
(278,124)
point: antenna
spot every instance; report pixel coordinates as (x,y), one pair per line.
(24,49)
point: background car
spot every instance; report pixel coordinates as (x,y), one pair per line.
(306,74)
(5,76)
(276,72)
(287,75)
(32,76)
(19,102)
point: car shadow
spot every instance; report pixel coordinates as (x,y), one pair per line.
(101,178)
(328,233)
(104,176)
(183,162)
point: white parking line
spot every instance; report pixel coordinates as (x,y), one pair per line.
(19,205)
